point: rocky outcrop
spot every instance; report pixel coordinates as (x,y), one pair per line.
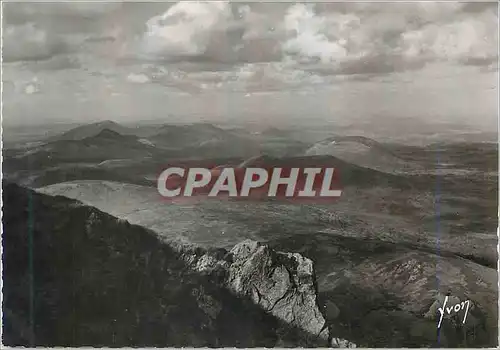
(283,284)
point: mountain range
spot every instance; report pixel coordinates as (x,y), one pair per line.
(405,213)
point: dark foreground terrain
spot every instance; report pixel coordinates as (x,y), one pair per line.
(74,276)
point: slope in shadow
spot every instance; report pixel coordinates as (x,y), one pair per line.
(75,276)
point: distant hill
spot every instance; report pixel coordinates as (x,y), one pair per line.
(105,145)
(203,140)
(363,151)
(274,132)
(350,174)
(109,135)
(109,155)
(89,130)
(198,140)
(169,135)
(176,136)
(371,143)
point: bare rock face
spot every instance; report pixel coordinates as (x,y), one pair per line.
(283,284)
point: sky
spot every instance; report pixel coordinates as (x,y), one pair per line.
(276,61)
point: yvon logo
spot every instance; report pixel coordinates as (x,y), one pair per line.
(251,183)
(460,306)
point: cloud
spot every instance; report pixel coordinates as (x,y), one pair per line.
(40,30)
(310,38)
(185,29)
(28,42)
(323,38)
(373,37)
(19,12)
(137,78)
(464,40)
(31,89)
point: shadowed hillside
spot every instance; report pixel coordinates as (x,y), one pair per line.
(105,145)
(75,276)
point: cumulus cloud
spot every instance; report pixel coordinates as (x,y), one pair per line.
(322,39)
(373,37)
(185,29)
(465,39)
(310,38)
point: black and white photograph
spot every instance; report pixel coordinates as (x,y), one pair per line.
(240,174)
